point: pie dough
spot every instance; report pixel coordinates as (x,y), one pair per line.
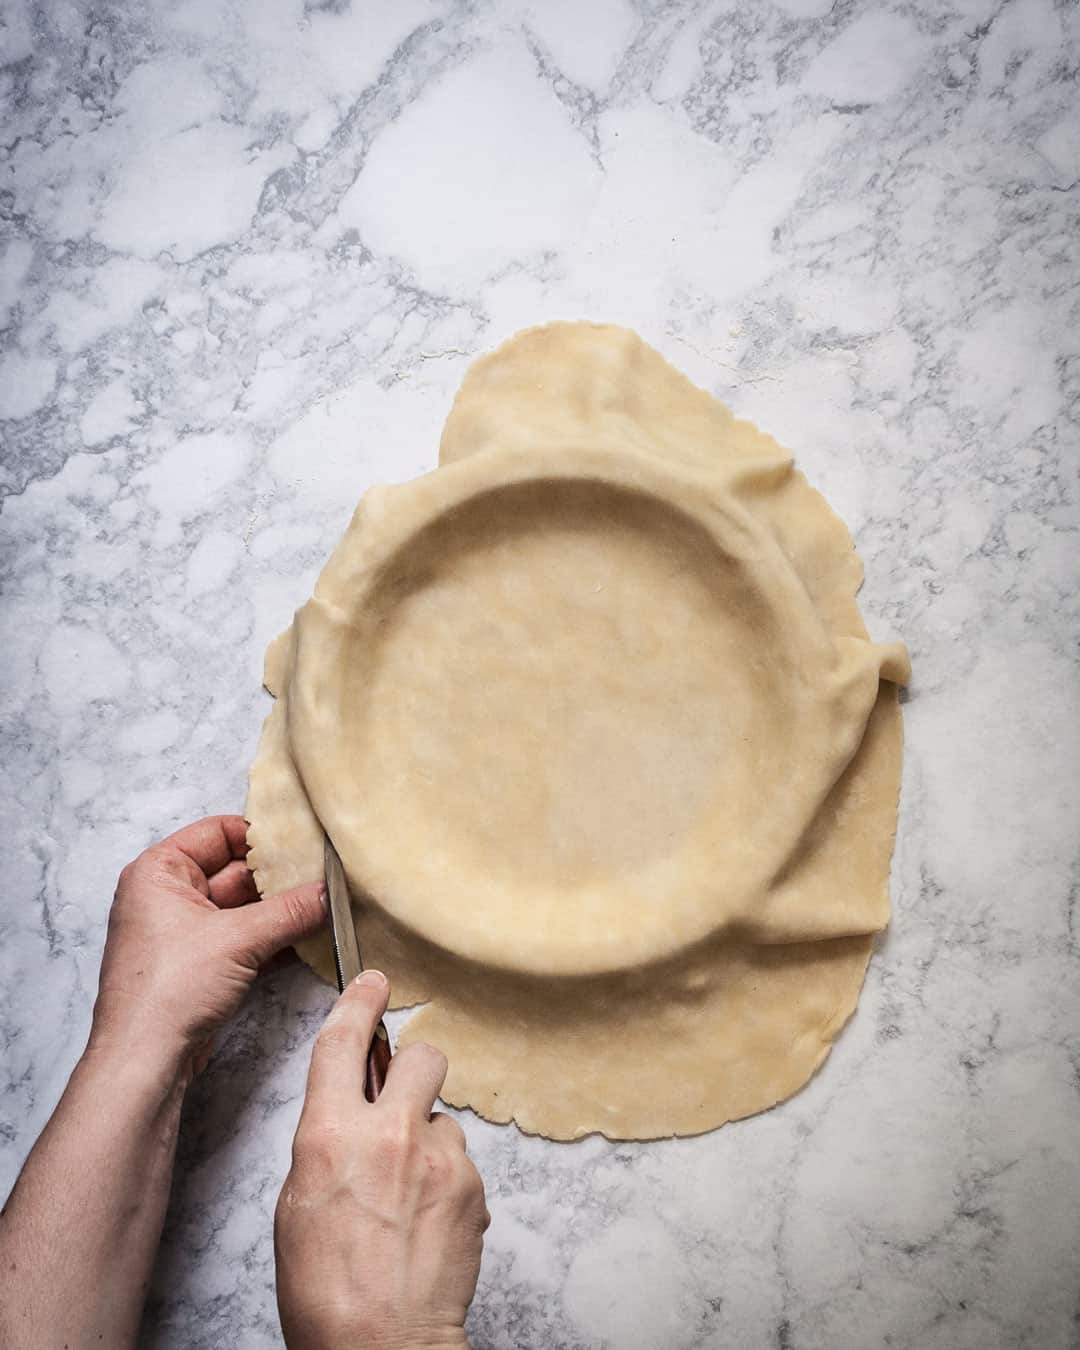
(592,718)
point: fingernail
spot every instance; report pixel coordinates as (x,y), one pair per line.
(371,979)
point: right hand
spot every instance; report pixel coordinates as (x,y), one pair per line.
(379,1226)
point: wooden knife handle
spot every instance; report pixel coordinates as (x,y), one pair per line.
(378,1063)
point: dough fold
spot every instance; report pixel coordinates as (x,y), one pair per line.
(593,719)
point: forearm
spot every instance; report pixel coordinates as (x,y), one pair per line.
(80,1230)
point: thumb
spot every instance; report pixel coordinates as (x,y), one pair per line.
(265,927)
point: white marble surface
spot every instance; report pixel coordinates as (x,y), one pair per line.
(248,249)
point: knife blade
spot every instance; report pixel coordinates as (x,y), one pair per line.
(348,963)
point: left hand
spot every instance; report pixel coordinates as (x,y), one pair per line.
(185,942)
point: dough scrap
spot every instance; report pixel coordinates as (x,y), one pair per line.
(591,715)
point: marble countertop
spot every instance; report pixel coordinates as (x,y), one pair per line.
(249,247)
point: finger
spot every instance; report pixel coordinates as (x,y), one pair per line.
(233,886)
(163,863)
(211,843)
(339,1056)
(448,1127)
(262,930)
(415,1077)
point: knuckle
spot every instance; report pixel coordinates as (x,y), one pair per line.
(294,912)
(317,1146)
(160,863)
(422,1060)
(132,874)
(432,1056)
(287,1200)
(450,1130)
(342,1031)
(455,1131)
(399,1135)
(469,1178)
(154,859)
(469,1191)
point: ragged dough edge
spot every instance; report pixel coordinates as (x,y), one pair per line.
(285,840)
(502,402)
(495,1068)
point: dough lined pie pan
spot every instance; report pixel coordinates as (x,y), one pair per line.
(593,721)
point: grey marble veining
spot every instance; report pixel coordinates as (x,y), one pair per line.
(248,249)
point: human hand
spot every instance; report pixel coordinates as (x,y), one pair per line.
(184,942)
(380,1223)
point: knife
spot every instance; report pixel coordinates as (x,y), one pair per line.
(348,963)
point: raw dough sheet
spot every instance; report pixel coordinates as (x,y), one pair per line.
(594,722)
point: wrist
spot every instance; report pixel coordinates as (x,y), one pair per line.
(452,1341)
(382,1340)
(133,1054)
(135,1085)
